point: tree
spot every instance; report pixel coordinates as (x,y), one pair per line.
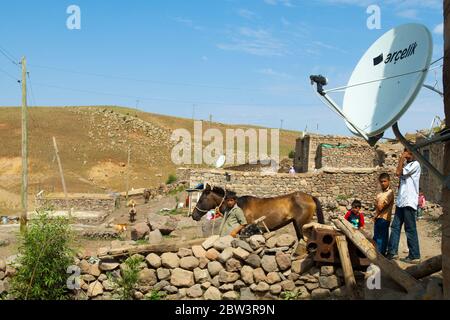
(446,191)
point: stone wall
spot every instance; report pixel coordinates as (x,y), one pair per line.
(220,268)
(83,202)
(306,150)
(331,186)
(350,156)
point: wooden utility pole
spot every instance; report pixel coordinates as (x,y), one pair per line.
(61,174)
(446,191)
(347,267)
(24,190)
(127,182)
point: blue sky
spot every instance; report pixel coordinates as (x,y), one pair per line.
(241,61)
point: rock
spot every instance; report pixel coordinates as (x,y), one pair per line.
(262,287)
(182,278)
(339,293)
(2,287)
(209,242)
(240,253)
(206,285)
(247,275)
(155,237)
(189,263)
(238,285)
(147,277)
(153,260)
(293,276)
(95,289)
(259,275)
(272,277)
(247,294)
(102,277)
(2,275)
(215,281)
(203,262)
(311,286)
(320,294)
(170,260)
(330,282)
(163,273)
(301,266)
(276,250)
(2,265)
(226,254)
(212,293)
(233,265)
(171,289)
(84,266)
(327,270)
(285,240)
(165,224)
(315,272)
(108,285)
(237,243)
(161,285)
(226,287)
(184,252)
(287,285)
(256,241)
(212,254)
(269,264)
(139,231)
(138,295)
(201,275)
(108,266)
(253,260)
(223,242)
(225,276)
(198,251)
(195,291)
(230,295)
(272,242)
(214,267)
(87,278)
(303,293)
(275,288)
(283,260)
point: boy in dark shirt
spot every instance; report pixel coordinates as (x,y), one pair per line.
(355,216)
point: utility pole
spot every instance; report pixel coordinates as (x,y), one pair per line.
(281,124)
(61,173)
(24,190)
(128,173)
(193,112)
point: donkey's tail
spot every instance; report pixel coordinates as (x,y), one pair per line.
(319,211)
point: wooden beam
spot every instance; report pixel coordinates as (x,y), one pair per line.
(400,276)
(425,268)
(347,268)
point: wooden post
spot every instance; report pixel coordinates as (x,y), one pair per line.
(63,182)
(128,172)
(446,191)
(24,189)
(426,268)
(387,266)
(346,263)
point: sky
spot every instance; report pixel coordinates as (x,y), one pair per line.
(244,62)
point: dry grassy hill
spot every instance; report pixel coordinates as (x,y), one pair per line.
(93,144)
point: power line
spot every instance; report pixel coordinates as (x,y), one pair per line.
(9,75)
(145,80)
(8,56)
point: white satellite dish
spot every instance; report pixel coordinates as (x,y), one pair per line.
(220,161)
(384,84)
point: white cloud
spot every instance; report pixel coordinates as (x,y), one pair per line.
(399,4)
(286,3)
(258,42)
(188,23)
(273,73)
(439,29)
(408,13)
(247,14)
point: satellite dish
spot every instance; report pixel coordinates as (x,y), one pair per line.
(385,81)
(220,161)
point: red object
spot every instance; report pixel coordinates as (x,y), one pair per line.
(360,217)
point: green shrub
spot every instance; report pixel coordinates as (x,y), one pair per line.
(291,154)
(155,295)
(289,295)
(126,284)
(44,256)
(171,179)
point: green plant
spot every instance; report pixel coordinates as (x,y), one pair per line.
(171,179)
(289,295)
(291,154)
(44,256)
(126,284)
(342,197)
(155,295)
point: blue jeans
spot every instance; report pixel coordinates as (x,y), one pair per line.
(406,215)
(381,234)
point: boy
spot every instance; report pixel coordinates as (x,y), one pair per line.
(233,217)
(421,205)
(355,216)
(383,204)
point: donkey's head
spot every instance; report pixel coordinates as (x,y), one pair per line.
(209,199)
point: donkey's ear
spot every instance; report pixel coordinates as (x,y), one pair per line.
(207,188)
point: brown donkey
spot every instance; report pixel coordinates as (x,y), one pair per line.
(298,208)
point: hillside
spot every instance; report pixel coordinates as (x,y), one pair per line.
(93,144)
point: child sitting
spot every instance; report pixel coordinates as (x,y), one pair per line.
(355,216)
